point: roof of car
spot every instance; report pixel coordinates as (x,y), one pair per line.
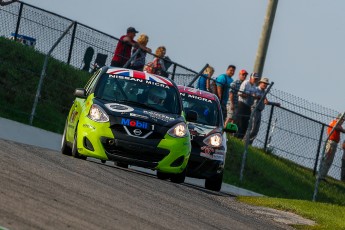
(139,75)
(197,92)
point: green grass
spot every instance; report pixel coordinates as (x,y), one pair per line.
(20,70)
(327,216)
(275,177)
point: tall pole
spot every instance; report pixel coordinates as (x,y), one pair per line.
(265,37)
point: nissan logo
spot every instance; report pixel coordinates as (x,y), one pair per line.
(137,132)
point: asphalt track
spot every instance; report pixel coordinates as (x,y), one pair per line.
(43,189)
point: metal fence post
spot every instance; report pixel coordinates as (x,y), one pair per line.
(318,149)
(72,44)
(246,137)
(43,73)
(268,127)
(197,76)
(18,21)
(173,72)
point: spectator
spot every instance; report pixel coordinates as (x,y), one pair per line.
(331,145)
(157,66)
(204,79)
(223,82)
(342,177)
(245,102)
(124,47)
(260,91)
(139,61)
(232,105)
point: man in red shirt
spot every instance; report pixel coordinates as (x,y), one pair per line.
(331,145)
(124,48)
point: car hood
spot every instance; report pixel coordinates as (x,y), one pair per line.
(137,113)
(201,130)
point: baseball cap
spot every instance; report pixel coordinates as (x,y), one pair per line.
(132,30)
(254,75)
(243,71)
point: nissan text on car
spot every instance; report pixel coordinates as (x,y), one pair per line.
(208,137)
(131,118)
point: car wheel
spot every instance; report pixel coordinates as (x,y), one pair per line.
(121,165)
(214,183)
(103,161)
(75,152)
(179,177)
(65,149)
(163,176)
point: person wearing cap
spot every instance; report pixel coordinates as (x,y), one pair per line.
(124,46)
(223,82)
(331,145)
(232,105)
(260,91)
(246,97)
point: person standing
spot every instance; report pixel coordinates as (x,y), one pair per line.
(124,48)
(139,61)
(157,66)
(342,176)
(205,78)
(223,83)
(232,105)
(260,91)
(245,102)
(331,145)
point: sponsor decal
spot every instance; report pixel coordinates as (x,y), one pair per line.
(119,108)
(147,79)
(134,123)
(207,149)
(73,116)
(219,151)
(218,157)
(88,126)
(138,116)
(159,116)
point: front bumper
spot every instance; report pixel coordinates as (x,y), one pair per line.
(100,141)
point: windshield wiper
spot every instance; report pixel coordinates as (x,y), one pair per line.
(142,105)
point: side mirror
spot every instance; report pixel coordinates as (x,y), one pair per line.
(231,128)
(80,92)
(192,116)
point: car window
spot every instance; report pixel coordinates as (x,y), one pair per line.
(207,110)
(138,92)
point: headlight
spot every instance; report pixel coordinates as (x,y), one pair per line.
(214,140)
(179,130)
(97,114)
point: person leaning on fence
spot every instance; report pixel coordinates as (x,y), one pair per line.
(342,176)
(223,82)
(139,60)
(124,48)
(157,66)
(260,91)
(331,145)
(232,105)
(246,96)
(204,82)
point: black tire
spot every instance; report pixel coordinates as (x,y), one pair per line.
(179,177)
(121,165)
(163,176)
(65,149)
(75,152)
(214,183)
(103,161)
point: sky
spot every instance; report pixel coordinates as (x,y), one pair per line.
(305,55)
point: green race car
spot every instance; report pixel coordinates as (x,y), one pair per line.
(131,118)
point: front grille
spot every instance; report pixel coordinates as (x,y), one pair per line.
(135,151)
(120,130)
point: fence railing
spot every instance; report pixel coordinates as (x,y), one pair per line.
(295,131)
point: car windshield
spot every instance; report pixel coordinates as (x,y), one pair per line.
(206,109)
(141,93)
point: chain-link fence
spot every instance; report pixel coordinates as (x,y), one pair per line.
(295,131)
